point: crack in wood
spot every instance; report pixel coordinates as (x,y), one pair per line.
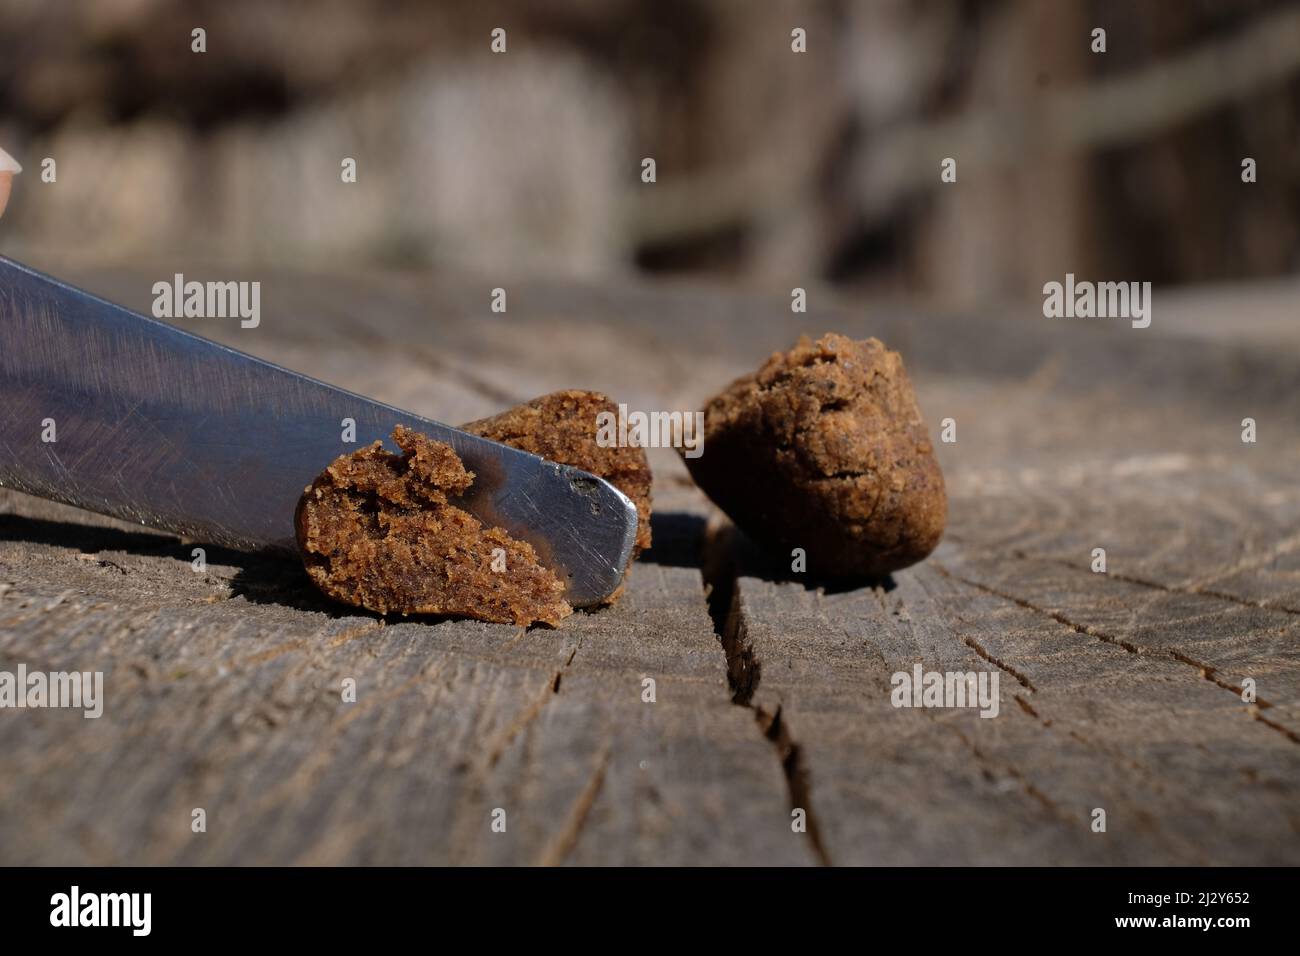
(353,633)
(1001,665)
(496,747)
(1193,589)
(1028,709)
(1197,588)
(1025,783)
(1281,549)
(563,842)
(1256,713)
(719,572)
(797,776)
(1207,672)
(744,671)
(1122,758)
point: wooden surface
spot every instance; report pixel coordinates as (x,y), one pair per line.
(1119,691)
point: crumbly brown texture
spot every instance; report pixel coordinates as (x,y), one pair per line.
(824,448)
(377,530)
(561,427)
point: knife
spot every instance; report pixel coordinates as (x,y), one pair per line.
(158,426)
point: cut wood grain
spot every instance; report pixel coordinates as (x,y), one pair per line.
(1120,691)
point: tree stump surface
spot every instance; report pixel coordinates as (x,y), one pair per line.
(1120,691)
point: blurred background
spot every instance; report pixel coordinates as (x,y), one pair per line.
(774,168)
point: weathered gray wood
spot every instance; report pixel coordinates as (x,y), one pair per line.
(1119,691)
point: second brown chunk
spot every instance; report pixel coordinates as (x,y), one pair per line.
(561,427)
(824,449)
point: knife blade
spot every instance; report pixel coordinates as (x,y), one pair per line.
(155,425)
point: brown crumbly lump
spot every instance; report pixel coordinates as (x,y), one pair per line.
(377,530)
(561,427)
(824,448)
